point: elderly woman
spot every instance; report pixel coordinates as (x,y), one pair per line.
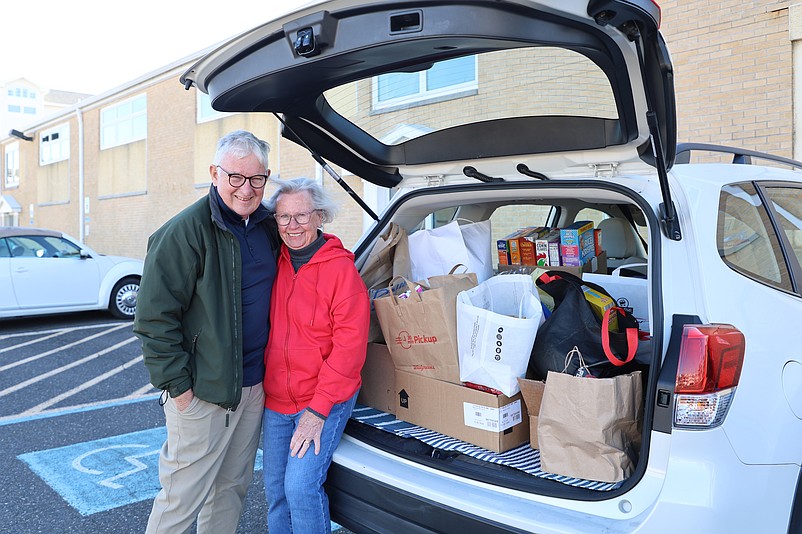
(319,320)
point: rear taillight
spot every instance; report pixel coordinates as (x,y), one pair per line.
(710,362)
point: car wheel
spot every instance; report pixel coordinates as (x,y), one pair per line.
(122,304)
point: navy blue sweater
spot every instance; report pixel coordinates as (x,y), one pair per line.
(258,273)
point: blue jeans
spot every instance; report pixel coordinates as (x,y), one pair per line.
(296,500)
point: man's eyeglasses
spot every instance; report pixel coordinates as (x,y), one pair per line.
(258,181)
(301,218)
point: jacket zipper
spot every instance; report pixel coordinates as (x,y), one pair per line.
(287,343)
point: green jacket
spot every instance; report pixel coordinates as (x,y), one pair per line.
(189,309)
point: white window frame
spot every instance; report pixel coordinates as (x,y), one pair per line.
(54,145)
(204,112)
(11,165)
(424,95)
(119,126)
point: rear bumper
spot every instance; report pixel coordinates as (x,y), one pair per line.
(363,504)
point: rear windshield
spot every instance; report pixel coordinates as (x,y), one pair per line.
(538,81)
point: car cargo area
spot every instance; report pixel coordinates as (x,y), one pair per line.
(444,424)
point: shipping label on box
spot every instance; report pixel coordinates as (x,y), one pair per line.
(490,418)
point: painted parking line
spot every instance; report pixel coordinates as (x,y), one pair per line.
(96,476)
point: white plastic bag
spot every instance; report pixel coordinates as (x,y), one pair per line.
(434,252)
(477,237)
(496,326)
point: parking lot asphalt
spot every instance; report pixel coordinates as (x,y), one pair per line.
(81,427)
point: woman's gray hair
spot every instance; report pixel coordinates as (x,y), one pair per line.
(241,144)
(320,199)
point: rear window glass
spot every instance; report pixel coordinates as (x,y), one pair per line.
(537,81)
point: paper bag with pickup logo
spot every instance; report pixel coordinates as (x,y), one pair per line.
(589,427)
(419,324)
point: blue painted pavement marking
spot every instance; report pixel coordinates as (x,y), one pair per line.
(96,476)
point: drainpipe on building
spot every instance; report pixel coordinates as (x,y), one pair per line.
(81,214)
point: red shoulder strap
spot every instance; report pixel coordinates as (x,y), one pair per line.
(632,339)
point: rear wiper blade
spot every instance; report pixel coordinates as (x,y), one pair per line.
(471,172)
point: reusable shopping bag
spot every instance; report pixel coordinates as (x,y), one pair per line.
(497,322)
(574,323)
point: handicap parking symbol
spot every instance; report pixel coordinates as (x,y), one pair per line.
(99,475)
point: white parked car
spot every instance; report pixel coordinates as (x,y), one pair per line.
(48,272)
(543,113)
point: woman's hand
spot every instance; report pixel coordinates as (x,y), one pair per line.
(309,429)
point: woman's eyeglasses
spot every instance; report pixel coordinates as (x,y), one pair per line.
(301,218)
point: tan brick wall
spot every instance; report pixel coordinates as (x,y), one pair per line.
(733,76)
(733,72)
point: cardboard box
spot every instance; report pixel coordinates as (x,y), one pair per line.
(596,264)
(532,391)
(494,422)
(378,379)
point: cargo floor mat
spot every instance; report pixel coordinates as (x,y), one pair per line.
(523,458)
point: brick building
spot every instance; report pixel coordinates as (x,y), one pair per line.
(112,168)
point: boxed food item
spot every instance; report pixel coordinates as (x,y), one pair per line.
(600,303)
(378,379)
(532,391)
(526,244)
(597,241)
(494,422)
(577,243)
(503,247)
(547,249)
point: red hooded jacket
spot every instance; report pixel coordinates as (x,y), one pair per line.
(319,320)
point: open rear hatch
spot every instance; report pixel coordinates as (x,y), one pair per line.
(343,75)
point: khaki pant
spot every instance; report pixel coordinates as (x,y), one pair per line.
(205,467)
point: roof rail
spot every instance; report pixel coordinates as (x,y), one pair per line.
(739,155)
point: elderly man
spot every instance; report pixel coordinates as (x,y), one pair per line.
(202,316)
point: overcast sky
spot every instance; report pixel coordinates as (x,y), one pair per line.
(91,46)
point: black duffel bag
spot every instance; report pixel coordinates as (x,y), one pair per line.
(573,323)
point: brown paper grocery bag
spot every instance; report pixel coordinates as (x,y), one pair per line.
(421,329)
(589,428)
(388,258)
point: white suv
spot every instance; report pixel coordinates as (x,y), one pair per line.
(542,113)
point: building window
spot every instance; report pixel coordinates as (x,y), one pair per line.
(54,145)
(124,123)
(444,79)
(11,170)
(29,110)
(206,112)
(14,109)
